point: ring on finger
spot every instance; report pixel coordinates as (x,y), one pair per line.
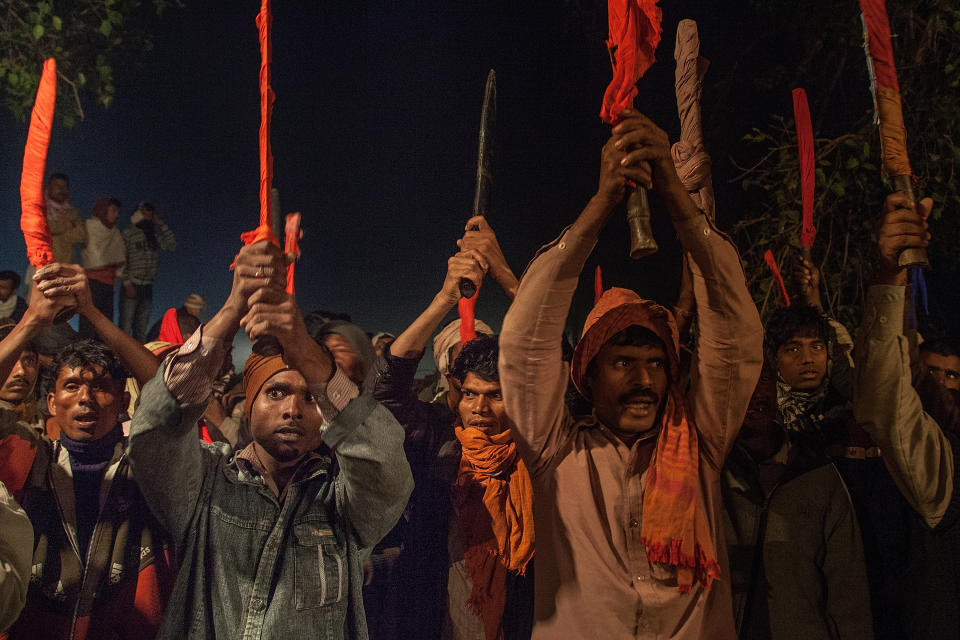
(259,273)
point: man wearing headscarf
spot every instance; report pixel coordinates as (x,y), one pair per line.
(270,536)
(627,500)
(916,424)
(474,583)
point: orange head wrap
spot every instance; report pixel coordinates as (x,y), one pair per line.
(615,310)
(257,370)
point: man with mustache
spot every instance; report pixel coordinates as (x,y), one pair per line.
(472,490)
(627,500)
(17,391)
(101,566)
(270,536)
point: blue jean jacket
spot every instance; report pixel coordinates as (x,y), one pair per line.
(251,566)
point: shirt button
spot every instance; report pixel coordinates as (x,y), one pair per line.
(706,231)
(563,245)
(634,523)
(258,604)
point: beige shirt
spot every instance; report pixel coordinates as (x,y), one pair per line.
(593,579)
(915,451)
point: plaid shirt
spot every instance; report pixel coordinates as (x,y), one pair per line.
(141,259)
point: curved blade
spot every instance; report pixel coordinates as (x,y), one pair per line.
(485,154)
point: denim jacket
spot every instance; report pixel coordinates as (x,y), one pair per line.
(253,567)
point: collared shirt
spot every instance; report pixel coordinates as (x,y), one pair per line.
(255,565)
(592,575)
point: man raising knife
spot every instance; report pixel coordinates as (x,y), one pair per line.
(627,500)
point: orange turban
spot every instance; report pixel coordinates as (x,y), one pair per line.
(616,310)
(257,370)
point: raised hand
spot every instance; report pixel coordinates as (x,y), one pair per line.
(900,227)
(480,237)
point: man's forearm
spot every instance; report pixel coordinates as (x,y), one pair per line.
(375,479)
(413,340)
(138,360)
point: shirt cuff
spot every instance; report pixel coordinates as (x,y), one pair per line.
(191,368)
(334,396)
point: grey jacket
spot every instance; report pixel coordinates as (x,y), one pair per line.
(252,567)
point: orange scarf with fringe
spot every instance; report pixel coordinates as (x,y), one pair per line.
(674,528)
(494,499)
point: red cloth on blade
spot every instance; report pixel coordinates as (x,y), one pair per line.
(597,284)
(292,235)
(801,114)
(772,263)
(265,230)
(634,33)
(33,216)
(877,26)
(466,308)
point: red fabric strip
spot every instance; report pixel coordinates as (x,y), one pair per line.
(33,217)
(466,308)
(801,114)
(597,285)
(772,263)
(879,47)
(292,235)
(170,328)
(634,33)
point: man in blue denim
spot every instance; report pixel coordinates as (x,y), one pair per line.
(269,537)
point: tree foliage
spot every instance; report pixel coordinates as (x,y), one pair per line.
(87,38)
(850,188)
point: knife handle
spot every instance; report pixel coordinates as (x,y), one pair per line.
(638,218)
(467,288)
(915,256)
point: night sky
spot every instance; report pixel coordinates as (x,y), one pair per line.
(374,137)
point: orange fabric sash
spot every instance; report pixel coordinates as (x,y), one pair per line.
(494,498)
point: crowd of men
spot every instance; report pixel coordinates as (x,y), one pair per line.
(732,480)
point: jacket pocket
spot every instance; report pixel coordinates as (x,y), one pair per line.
(320,565)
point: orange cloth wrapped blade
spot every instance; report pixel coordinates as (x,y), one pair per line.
(801,115)
(886,89)
(265,230)
(292,235)
(33,217)
(633,38)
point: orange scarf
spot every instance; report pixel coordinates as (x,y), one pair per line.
(494,499)
(673,527)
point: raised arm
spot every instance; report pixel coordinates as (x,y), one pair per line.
(532,373)
(164,431)
(39,314)
(374,480)
(915,450)
(394,381)
(71,279)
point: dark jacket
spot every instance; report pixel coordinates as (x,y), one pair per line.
(120,588)
(796,559)
(254,567)
(434,454)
